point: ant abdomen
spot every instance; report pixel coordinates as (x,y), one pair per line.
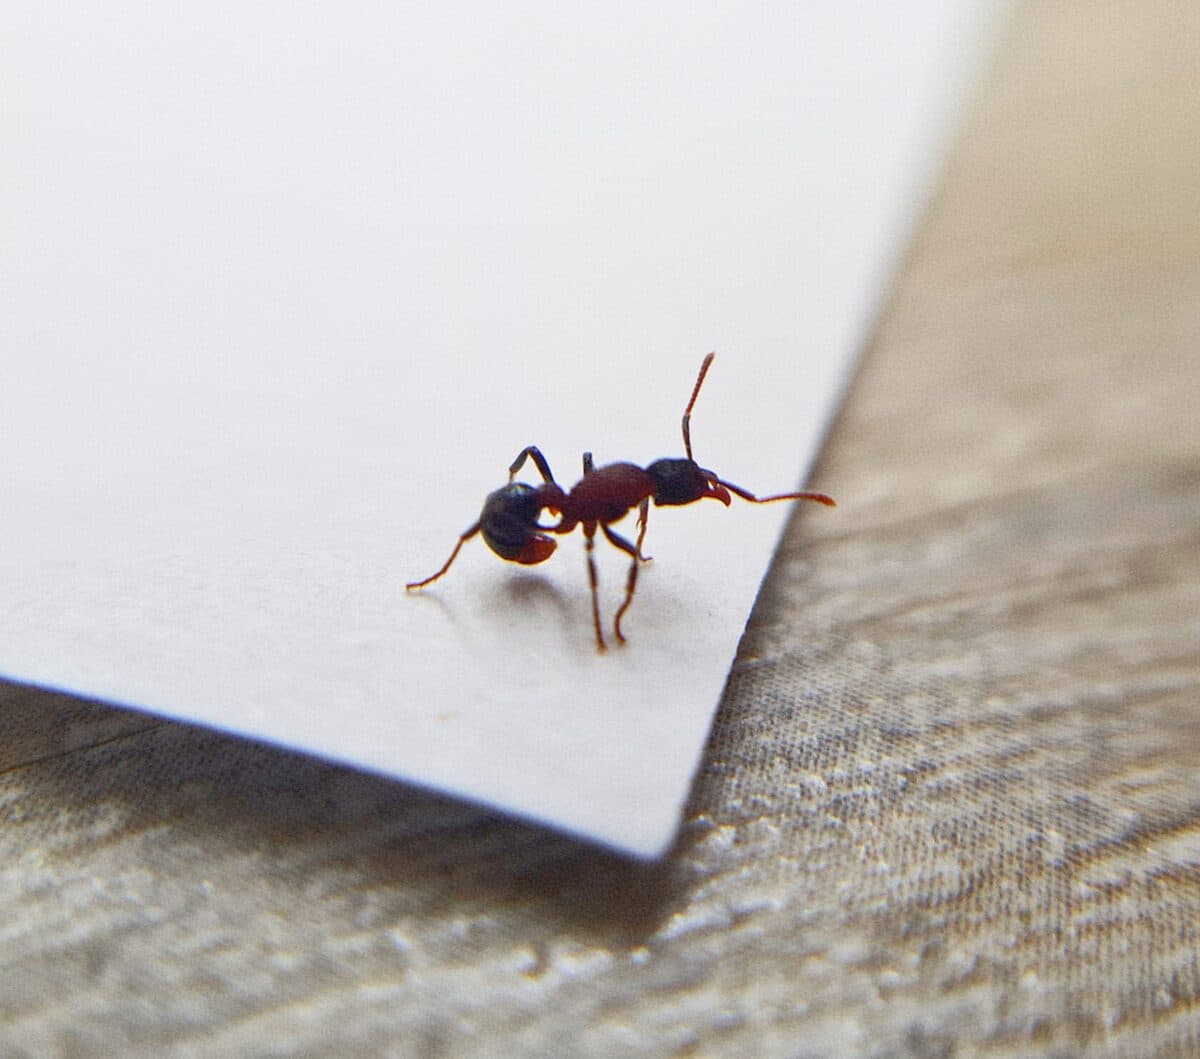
(509,524)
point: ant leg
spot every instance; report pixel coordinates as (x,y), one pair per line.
(617,541)
(465,536)
(531,452)
(820,498)
(589,535)
(643,511)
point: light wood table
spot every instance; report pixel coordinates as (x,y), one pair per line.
(951,802)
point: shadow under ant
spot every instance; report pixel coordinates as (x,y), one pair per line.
(529,591)
(532,595)
(523,593)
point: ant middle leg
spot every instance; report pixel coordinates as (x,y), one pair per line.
(531,452)
(643,512)
(465,536)
(589,537)
(635,554)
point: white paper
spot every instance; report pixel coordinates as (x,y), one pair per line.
(286,287)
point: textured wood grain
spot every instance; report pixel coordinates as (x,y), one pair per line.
(950,806)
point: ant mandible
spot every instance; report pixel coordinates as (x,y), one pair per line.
(604,495)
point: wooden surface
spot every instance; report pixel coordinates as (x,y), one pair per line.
(950,805)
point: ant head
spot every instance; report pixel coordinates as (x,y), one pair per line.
(509,524)
(684,481)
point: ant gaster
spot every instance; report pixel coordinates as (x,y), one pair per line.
(604,495)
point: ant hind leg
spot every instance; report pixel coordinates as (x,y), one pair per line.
(465,536)
(531,452)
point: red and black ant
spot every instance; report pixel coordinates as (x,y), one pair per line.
(604,495)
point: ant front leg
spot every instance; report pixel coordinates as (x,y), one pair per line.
(531,452)
(635,554)
(589,536)
(465,536)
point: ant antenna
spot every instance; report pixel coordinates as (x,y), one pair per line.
(687,412)
(820,498)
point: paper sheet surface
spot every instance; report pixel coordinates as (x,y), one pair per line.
(284,289)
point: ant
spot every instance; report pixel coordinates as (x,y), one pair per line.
(604,495)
